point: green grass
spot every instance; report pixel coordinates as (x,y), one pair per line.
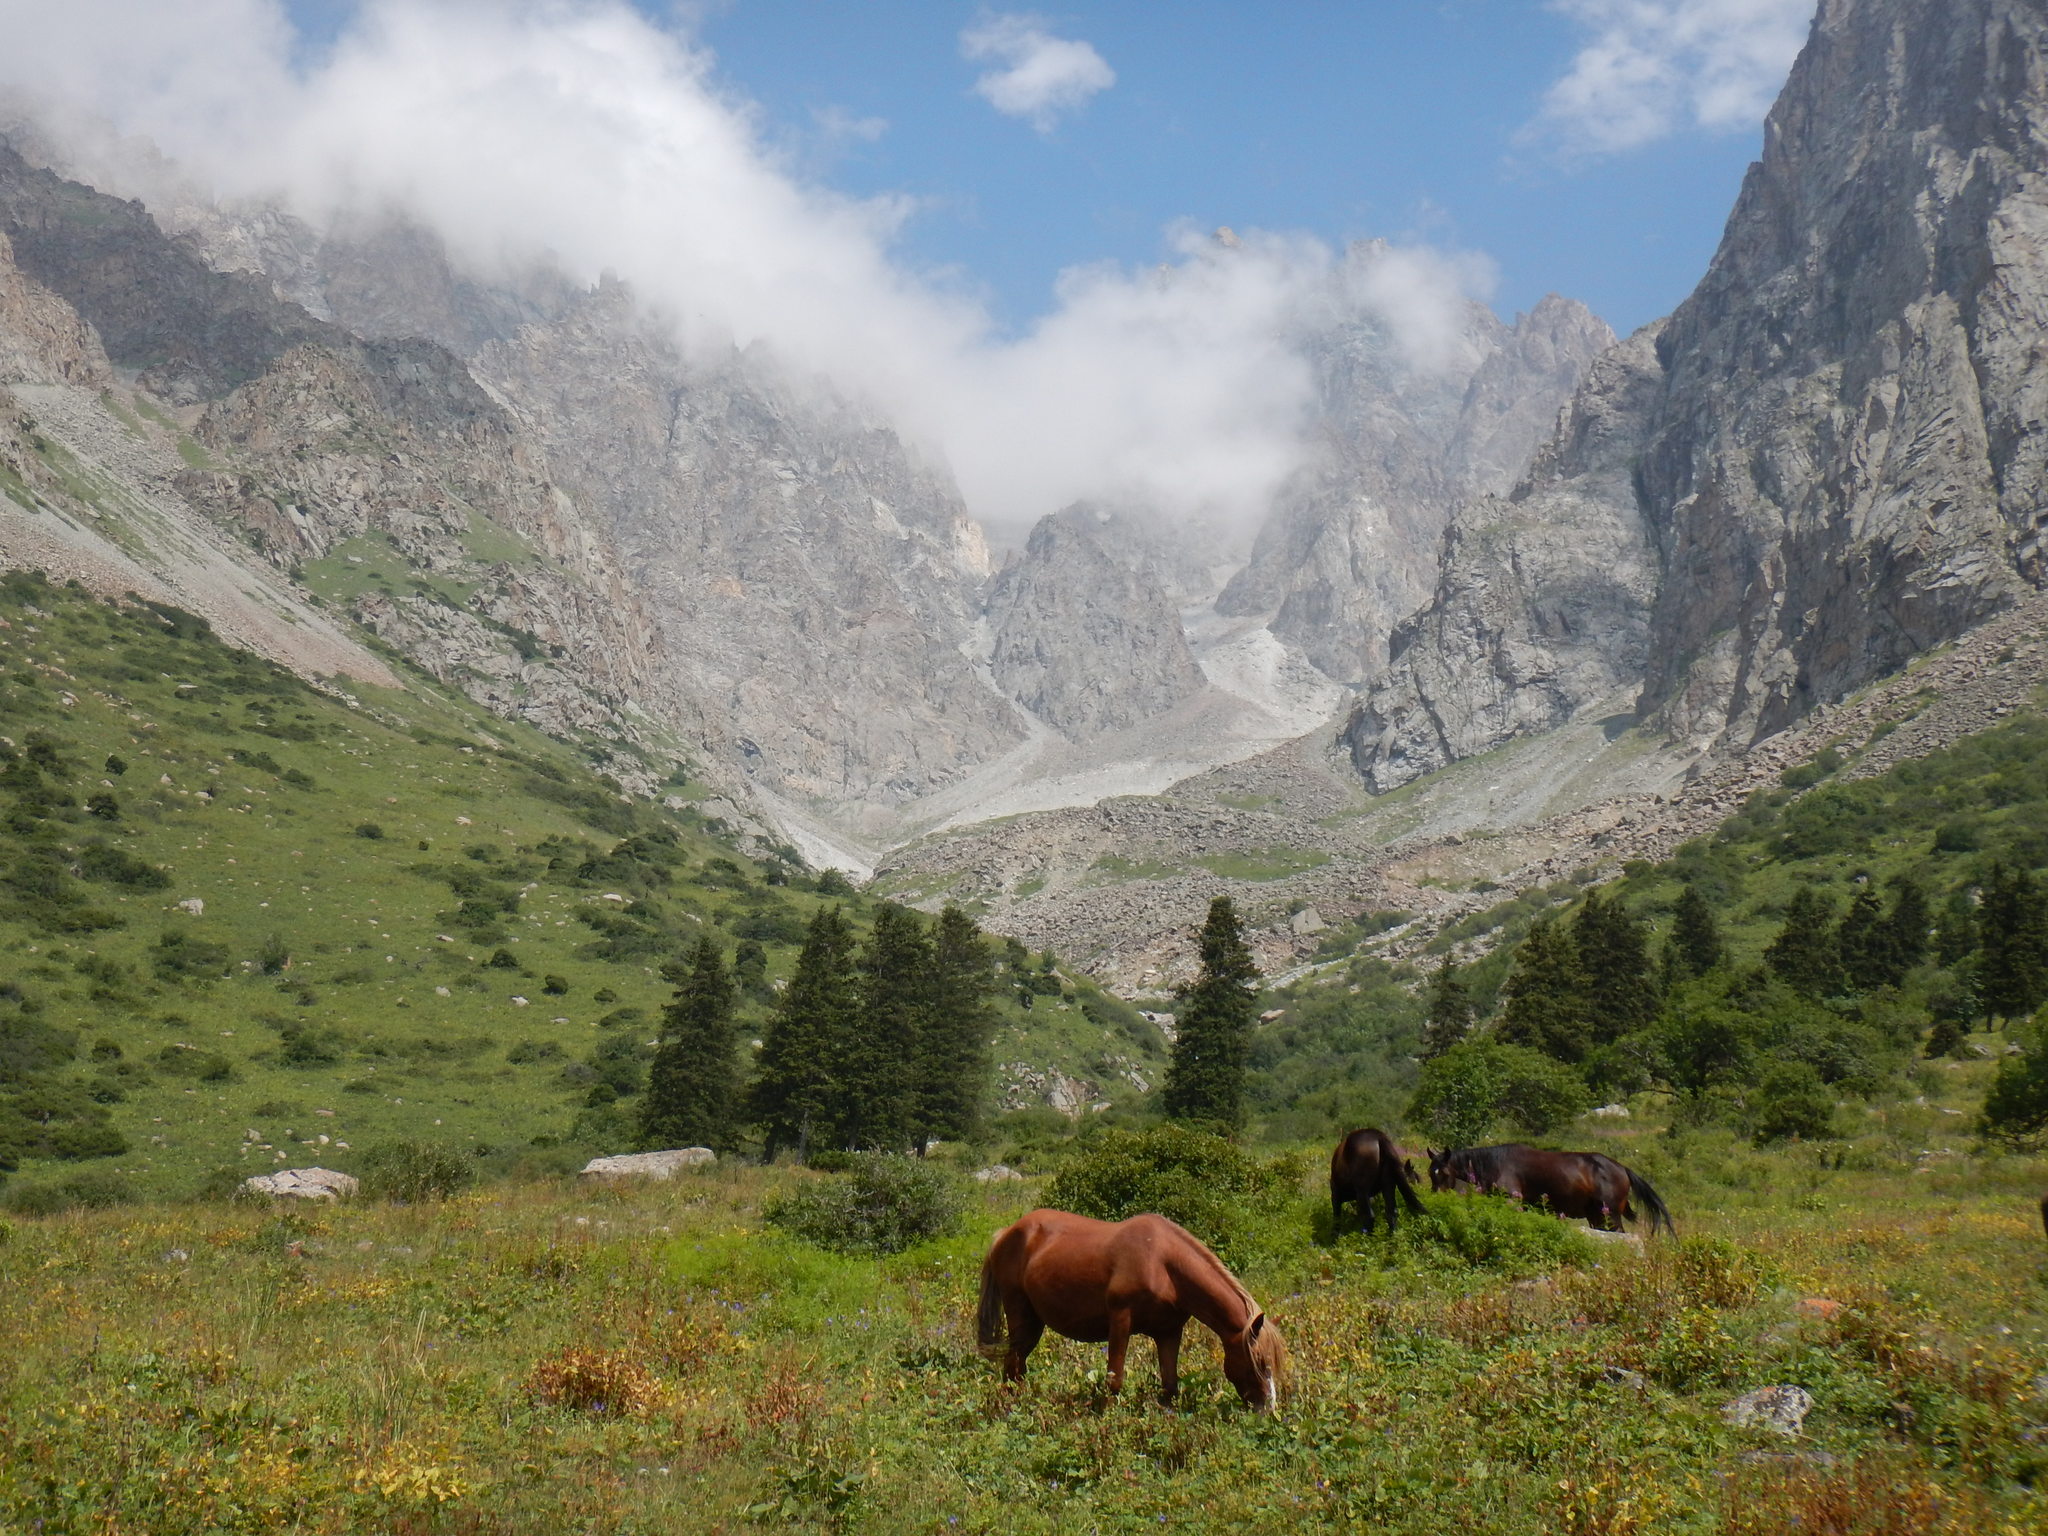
(1264,863)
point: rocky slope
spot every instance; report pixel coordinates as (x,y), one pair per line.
(1836,459)
(1401,439)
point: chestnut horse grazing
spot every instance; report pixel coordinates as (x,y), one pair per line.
(1365,1164)
(1587,1185)
(1102,1281)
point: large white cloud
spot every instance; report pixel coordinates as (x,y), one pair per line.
(1041,76)
(578,131)
(1652,67)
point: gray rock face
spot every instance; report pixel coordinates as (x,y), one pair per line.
(303,1184)
(1351,546)
(1543,596)
(1084,635)
(647,1165)
(1837,458)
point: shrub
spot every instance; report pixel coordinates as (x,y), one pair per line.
(598,1381)
(414,1170)
(369,829)
(117,866)
(91,1189)
(1791,1101)
(2017,1104)
(883,1203)
(1211,1186)
(554,986)
(1475,1088)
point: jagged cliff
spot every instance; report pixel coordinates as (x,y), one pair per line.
(1836,457)
(1401,439)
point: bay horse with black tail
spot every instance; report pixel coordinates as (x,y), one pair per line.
(1368,1164)
(1102,1281)
(1589,1186)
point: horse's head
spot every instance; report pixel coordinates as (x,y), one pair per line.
(1256,1363)
(1440,1176)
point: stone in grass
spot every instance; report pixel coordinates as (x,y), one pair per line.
(647,1165)
(996,1174)
(1782,1410)
(302,1184)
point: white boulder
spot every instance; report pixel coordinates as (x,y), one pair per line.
(999,1173)
(303,1184)
(647,1165)
(1782,1410)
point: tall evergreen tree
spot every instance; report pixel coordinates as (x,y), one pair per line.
(1450,1012)
(1619,988)
(953,1039)
(875,1084)
(1905,929)
(2012,945)
(1212,1044)
(692,1092)
(1803,954)
(1862,945)
(1545,992)
(1695,943)
(1955,931)
(794,1098)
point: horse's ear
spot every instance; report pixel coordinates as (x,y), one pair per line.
(1258,1325)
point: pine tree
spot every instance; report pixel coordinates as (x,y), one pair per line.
(794,1099)
(953,1038)
(693,1083)
(1905,929)
(1450,1012)
(876,1082)
(1803,953)
(1695,943)
(1619,988)
(2012,960)
(1205,1078)
(1545,992)
(1955,931)
(1862,945)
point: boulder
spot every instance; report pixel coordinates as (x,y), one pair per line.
(647,1165)
(1610,1112)
(1782,1410)
(302,1184)
(997,1174)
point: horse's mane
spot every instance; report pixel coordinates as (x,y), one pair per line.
(1483,1161)
(1222,1271)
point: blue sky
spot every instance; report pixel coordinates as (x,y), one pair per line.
(1401,118)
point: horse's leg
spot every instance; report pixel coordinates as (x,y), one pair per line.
(1387,1194)
(1025,1331)
(1119,1343)
(1169,1363)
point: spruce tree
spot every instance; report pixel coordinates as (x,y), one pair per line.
(1955,931)
(1212,1045)
(1545,995)
(1803,954)
(1905,928)
(953,1037)
(1619,990)
(2012,945)
(1450,1012)
(1862,946)
(876,1076)
(693,1083)
(1695,943)
(794,1099)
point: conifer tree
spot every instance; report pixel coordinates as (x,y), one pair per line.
(693,1083)
(875,1085)
(953,1037)
(1545,992)
(1862,945)
(794,1099)
(1212,1046)
(1450,1012)
(2012,958)
(1955,931)
(1803,954)
(1695,943)
(1620,995)
(1905,929)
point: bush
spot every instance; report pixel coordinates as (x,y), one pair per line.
(370,830)
(414,1170)
(1211,1186)
(883,1203)
(1474,1089)
(90,1190)
(2017,1104)
(1791,1101)
(609,1382)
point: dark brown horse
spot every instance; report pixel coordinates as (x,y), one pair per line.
(1102,1281)
(1368,1164)
(1586,1185)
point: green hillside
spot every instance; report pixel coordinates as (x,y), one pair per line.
(245,922)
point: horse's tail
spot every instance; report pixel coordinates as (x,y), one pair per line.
(1402,1181)
(1639,1187)
(988,1316)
